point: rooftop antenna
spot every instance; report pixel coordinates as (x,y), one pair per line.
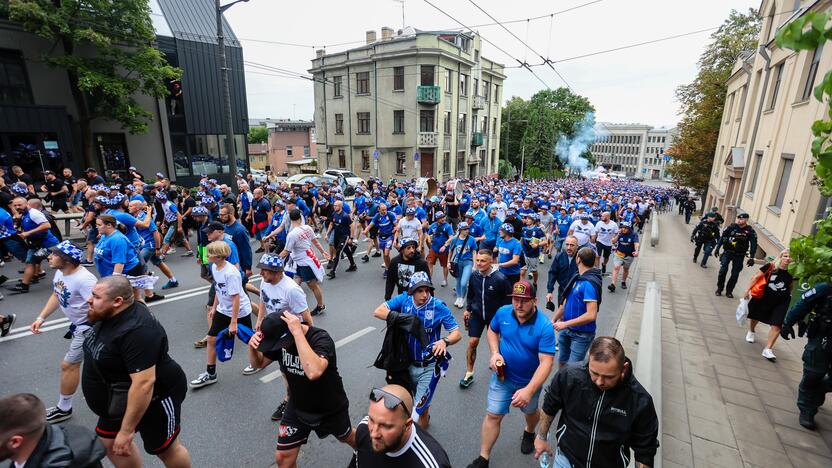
(402,2)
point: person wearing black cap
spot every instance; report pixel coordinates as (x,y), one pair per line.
(402,266)
(56,191)
(93,178)
(306,355)
(737,240)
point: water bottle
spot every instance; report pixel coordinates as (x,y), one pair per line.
(545,460)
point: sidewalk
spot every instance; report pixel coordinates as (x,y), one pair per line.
(723,404)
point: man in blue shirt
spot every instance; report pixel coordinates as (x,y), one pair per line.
(240,238)
(261,212)
(384,223)
(439,233)
(434,315)
(491,228)
(575,318)
(625,253)
(522,346)
(532,238)
(341,227)
(509,250)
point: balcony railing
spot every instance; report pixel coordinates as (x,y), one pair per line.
(428,95)
(478,103)
(476,139)
(428,139)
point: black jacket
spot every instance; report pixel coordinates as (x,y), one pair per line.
(395,354)
(400,271)
(66,446)
(705,231)
(598,428)
(738,241)
(488,292)
(562,270)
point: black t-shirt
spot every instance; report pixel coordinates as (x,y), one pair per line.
(421,450)
(451,208)
(96,180)
(6,200)
(323,396)
(23,178)
(324,212)
(69,182)
(55,186)
(128,343)
(308,198)
(188,203)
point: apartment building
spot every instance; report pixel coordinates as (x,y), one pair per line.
(763,159)
(636,150)
(290,141)
(410,104)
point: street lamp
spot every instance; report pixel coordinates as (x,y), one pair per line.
(226,90)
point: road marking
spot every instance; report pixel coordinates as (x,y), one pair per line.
(274,375)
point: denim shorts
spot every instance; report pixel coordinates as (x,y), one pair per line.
(420,376)
(501,392)
(148,254)
(573,345)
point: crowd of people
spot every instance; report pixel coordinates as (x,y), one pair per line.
(493,237)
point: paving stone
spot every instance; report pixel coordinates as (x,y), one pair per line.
(703,394)
(753,426)
(785,418)
(676,451)
(764,457)
(715,431)
(777,388)
(804,440)
(734,383)
(804,459)
(712,410)
(731,371)
(778,401)
(709,454)
(749,400)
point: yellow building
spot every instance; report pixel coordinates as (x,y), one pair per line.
(762,164)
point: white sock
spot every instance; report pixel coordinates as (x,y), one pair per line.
(173,278)
(65,402)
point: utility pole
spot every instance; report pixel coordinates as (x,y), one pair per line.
(226,90)
(522,161)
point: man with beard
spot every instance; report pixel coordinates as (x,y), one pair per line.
(387,437)
(402,266)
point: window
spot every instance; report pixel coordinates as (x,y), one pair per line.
(336,84)
(289,151)
(401,162)
(729,108)
(305,151)
(398,121)
(775,89)
(339,124)
(426,121)
(486,87)
(460,164)
(398,78)
(484,125)
(447,123)
(743,92)
(491,161)
(362,83)
(494,126)
(363,123)
(342,159)
(365,160)
(463,85)
(785,172)
(426,75)
(446,162)
(812,73)
(476,87)
(461,124)
(496,94)
(14,84)
(448,81)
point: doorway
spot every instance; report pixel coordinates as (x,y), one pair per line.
(426,164)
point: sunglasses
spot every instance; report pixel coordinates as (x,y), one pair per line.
(390,401)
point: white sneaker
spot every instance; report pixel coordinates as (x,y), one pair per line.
(768,354)
(250,370)
(444,283)
(749,337)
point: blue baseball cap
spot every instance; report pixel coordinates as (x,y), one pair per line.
(162,195)
(507,228)
(418,280)
(69,250)
(271,262)
(463,226)
(410,210)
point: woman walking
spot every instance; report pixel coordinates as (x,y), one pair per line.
(462,248)
(771,307)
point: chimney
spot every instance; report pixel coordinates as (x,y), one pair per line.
(386,33)
(371,37)
(319,53)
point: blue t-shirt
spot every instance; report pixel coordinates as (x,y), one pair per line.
(627,243)
(575,306)
(528,233)
(261,209)
(46,238)
(234,257)
(277,220)
(147,233)
(434,315)
(521,344)
(240,239)
(113,249)
(439,234)
(476,230)
(507,250)
(385,224)
(563,223)
(6,224)
(129,222)
(463,249)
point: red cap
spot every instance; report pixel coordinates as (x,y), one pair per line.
(523,289)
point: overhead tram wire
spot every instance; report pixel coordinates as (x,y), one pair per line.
(522,64)
(545,60)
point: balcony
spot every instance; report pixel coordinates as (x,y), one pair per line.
(473,158)
(476,139)
(428,95)
(428,139)
(478,103)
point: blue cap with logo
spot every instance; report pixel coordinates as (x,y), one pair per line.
(507,228)
(418,280)
(69,249)
(271,262)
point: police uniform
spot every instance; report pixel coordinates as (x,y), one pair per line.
(736,241)
(704,235)
(817,355)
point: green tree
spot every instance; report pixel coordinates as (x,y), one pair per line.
(515,118)
(552,114)
(813,254)
(106,49)
(702,101)
(258,134)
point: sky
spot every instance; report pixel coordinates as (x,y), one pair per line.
(634,85)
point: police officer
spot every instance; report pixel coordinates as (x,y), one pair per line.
(817,355)
(737,239)
(705,235)
(689,206)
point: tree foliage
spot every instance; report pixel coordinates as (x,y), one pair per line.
(258,134)
(537,123)
(813,254)
(106,49)
(702,101)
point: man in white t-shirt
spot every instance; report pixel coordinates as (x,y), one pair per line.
(72,288)
(308,268)
(408,227)
(500,206)
(605,230)
(231,307)
(583,230)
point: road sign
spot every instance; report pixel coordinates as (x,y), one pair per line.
(375,154)
(666,158)
(416,156)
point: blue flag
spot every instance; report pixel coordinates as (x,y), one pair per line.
(225,342)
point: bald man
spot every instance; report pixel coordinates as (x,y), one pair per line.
(386,438)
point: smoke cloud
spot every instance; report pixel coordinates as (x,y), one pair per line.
(570,150)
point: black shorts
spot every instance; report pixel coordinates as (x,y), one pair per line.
(221,321)
(373,232)
(59,204)
(604,250)
(293,433)
(159,426)
(476,324)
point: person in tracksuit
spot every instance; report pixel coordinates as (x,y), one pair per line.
(704,235)
(737,240)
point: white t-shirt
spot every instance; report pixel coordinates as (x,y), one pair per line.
(73,291)
(501,209)
(582,232)
(299,241)
(606,231)
(229,283)
(409,228)
(285,295)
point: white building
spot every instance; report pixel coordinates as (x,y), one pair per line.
(637,150)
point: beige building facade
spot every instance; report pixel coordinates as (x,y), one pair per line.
(762,164)
(635,150)
(410,104)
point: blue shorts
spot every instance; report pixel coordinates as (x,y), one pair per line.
(384,243)
(573,345)
(16,248)
(501,392)
(92,234)
(331,239)
(306,274)
(148,254)
(420,376)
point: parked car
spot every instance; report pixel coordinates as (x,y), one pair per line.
(259,176)
(298,180)
(352,179)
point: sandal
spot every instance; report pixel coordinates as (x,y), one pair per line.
(201,343)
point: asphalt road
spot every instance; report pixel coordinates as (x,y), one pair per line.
(228,424)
